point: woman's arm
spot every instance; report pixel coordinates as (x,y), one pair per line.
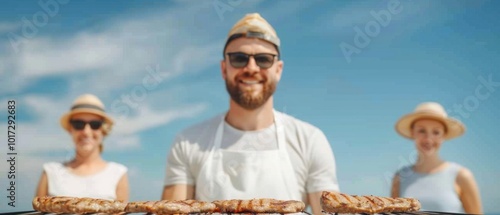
(43,186)
(395,186)
(122,189)
(469,192)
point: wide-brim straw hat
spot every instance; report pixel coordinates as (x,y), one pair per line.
(253,25)
(430,110)
(87,103)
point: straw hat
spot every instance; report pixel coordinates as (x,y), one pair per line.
(88,103)
(430,110)
(254,26)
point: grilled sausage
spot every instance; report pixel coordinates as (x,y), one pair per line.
(332,202)
(259,206)
(171,207)
(72,205)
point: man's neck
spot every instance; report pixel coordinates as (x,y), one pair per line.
(250,120)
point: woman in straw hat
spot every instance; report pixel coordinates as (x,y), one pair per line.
(438,184)
(87,174)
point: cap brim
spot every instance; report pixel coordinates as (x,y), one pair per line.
(454,127)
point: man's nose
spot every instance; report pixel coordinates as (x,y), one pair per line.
(252,65)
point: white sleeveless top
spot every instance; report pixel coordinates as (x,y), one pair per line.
(101,185)
(436,192)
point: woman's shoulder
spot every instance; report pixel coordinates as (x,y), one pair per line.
(454,165)
(458,170)
(405,170)
(465,179)
(117,167)
(461,172)
(49,166)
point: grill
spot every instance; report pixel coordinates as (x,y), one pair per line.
(404,213)
(409,213)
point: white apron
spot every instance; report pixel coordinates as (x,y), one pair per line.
(248,174)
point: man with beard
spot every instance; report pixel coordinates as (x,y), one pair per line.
(252,150)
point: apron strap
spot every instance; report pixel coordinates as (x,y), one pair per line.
(287,170)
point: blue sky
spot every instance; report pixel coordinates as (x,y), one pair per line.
(426,51)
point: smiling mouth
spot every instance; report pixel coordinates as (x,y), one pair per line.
(427,147)
(250,82)
(86,140)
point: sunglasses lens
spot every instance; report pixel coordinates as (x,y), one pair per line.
(80,125)
(95,124)
(264,60)
(238,60)
(77,124)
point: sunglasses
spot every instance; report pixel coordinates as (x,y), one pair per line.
(80,124)
(240,59)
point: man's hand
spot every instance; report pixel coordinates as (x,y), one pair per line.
(178,192)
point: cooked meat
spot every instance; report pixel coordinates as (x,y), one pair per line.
(259,206)
(72,205)
(185,207)
(171,207)
(332,202)
(138,207)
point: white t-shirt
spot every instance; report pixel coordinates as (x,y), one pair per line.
(310,153)
(101,185)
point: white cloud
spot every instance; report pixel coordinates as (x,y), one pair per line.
(122,143)
(10,81)
(414,15)
(125,134)
(273,11)
(147,119)
(352,14)
(83,52)
(121,48)
(3,66)
(6,27)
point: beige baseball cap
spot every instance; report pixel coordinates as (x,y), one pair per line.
(252,25)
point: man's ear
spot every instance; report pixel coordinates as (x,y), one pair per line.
(279,69)
(223,68)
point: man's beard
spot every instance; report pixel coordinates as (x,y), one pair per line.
(246,99)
